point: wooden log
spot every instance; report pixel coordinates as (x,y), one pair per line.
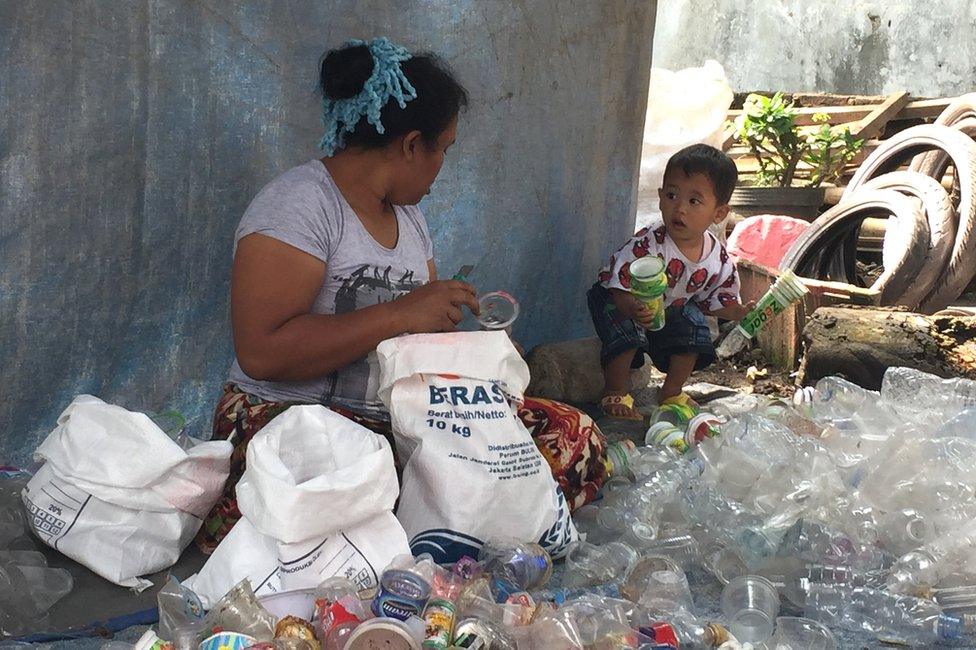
(861,343)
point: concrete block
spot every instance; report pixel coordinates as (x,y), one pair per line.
(569,371)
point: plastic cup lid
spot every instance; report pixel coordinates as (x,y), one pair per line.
(231,640)
(498,310)
(386,633)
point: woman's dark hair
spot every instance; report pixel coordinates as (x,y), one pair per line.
(439,96)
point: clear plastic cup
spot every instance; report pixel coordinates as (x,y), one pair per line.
(683,549)
(667,591)
(750,605)
(640,577)
(795,633)
(588,564)
(498,310)
(724,562)
(585,565)
(738,472)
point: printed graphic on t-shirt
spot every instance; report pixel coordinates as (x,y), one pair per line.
(711,282)
(371,285)
(366,286)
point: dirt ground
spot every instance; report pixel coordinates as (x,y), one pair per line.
(734,373)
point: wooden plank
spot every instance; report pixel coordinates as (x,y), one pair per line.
(876,121)
(832,99)
(925,109)
(741,151)
(729,139)
(814,99)
(838,114)
(922,109)
(745,162)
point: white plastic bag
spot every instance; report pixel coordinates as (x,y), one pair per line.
(683,108)
(117,494)
(470,467)
(317,498)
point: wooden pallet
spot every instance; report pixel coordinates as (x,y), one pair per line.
(873,118)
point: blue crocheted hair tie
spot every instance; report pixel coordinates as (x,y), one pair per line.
(340,116)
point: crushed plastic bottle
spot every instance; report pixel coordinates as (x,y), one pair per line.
(905,619)
(560,595)
(793,577)
(913,393)
(523,565)
(920,571)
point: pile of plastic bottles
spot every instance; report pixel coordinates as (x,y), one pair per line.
(28,586)
(855,506)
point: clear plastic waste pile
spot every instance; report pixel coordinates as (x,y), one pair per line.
(842,511)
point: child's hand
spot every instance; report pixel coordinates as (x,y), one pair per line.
(632,308)
(643,317)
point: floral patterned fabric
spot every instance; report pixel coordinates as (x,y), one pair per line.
(568,439)
(572,444)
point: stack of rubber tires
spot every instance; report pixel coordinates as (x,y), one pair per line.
(929,252)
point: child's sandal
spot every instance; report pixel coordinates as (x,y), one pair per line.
(682,400)
(615,405)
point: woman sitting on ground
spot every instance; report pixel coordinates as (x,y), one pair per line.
(333,256)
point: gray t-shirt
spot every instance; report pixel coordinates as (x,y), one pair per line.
(304,208)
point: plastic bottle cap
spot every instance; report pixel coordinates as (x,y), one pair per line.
(703,425)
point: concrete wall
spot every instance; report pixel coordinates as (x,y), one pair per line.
(133,135)
(927,47)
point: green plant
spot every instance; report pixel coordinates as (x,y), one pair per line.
(768,127)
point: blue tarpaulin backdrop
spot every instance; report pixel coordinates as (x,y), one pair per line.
(133,135)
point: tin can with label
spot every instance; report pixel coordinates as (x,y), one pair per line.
(473,633)
(439,617)
(402,594)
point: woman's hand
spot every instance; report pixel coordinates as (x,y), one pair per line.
(436,306)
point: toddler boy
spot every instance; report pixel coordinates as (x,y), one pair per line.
(702,281)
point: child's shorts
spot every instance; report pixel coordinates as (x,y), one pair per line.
(685,331)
